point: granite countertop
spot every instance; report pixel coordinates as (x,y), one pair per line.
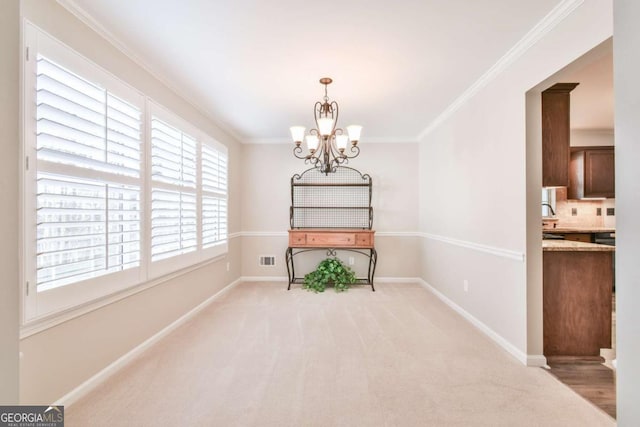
(578,230)
(571,246)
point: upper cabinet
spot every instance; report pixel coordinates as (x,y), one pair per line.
(556,134)
(592,172)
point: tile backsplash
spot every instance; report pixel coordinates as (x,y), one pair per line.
(584,213)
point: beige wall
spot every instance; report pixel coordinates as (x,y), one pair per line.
(265,215)
(480,153)
(590,138)
(398,257)
(627,93)
(60,358)
(10,137)
(266,194)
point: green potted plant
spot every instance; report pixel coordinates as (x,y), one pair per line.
(330,270)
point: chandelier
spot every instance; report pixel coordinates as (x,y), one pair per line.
(326,143)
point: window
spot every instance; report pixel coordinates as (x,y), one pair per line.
(88,186)
(174,218)
(548,201)
(188,176)
(214,196)
(117,190)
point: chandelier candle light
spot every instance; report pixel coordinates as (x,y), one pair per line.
(327,144)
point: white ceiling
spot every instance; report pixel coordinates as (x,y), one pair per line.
(254,65)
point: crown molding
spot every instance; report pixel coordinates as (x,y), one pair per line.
(549,22)
(72,7)
(268,141)
(373,140)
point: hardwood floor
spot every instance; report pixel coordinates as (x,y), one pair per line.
(591,380)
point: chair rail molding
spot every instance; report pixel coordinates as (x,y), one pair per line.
(501,252)
(493,250)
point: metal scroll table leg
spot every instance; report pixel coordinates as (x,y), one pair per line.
(373,260)
(288,255)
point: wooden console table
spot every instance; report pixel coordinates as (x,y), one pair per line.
(331,240)
(331,211)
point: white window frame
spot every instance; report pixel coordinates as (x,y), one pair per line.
(164,266)
(221,246)
(167,265)
(40,305)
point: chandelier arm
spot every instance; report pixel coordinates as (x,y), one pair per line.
(334,108)
(338,161)
(297,151)
(317,110)
(335,153)
(354,149)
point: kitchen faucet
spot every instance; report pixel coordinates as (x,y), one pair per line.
(550,208)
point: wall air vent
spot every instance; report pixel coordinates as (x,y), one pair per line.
(267,260)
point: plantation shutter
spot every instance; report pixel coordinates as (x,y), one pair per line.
(88,144)
(174,219)
(214,196)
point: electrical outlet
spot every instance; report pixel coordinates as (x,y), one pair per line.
(598,211)
(465,284)
(352,260)
(574,211)
(228,266)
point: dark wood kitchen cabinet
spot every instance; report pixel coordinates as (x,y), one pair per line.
(592,172)
(556,134)
(577,301)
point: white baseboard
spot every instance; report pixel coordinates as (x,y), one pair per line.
(264,279)
(497,338)
(397,280)
(90,384)
(536,360)
(285,279)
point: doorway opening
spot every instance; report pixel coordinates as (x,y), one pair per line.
(567,215)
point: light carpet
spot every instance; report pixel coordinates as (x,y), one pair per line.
(263,356)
